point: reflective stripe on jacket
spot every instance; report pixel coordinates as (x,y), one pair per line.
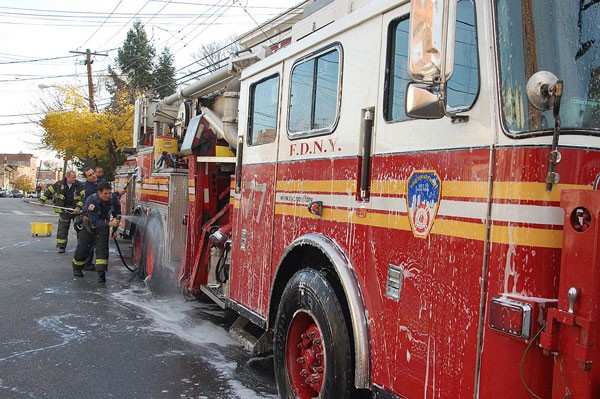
(60,194)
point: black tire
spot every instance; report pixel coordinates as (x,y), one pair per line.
(308,291)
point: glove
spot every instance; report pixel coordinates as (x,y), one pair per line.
(78,223)
(77,211)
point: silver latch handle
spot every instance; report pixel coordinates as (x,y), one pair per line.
(572,295)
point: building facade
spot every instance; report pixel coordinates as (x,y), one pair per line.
(13,166)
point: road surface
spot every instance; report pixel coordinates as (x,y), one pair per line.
(62,337)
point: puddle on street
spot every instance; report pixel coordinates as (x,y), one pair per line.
(204,326)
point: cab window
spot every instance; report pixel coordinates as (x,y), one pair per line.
(463,86)
(314,94)
(264,107)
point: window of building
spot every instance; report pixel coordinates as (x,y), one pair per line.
(463,86)
(264,107)
(314,94)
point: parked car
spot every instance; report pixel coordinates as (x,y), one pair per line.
(33,194)
(3,193)
(16,194)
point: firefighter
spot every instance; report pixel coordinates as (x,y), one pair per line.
(66,193)
(91,186)
(91,182)
(100,222)
(100,174)
(94,177)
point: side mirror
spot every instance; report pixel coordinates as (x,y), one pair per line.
(424,102)
(540,90)
(431,40)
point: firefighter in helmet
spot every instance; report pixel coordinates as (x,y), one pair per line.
(100,222)
(66,193)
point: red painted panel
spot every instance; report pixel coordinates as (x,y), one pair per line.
(424,342)
(524,271)
(425,345)
(251,257)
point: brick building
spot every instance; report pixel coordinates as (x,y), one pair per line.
(13,166)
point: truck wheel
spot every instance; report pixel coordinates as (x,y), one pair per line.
(311,341)
(157,275)
(137,242)
(150,259)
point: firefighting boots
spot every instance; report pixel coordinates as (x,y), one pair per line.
(102,277)
(77,271)
(60,250)
(89,264)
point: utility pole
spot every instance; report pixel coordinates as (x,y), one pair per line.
(88,63)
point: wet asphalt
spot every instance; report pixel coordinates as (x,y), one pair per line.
(62,337)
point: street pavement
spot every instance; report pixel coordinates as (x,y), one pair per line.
(62,337)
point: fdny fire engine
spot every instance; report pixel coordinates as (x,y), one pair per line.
(402,197)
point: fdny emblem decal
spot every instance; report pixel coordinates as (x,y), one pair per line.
(423,199)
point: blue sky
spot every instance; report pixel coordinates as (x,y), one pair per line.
(67,25)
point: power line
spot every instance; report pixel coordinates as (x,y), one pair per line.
(239,39)
(103,22)
(37,60)
(98,19)
(158,12)
(288,12)
(51,77)
(100,14)
(128,22)
(252,18)
(209,4)
(224,7)
(17,115)
(206,19)
(88,62)
(184,27)
(19,123)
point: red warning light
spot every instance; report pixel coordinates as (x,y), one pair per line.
(510,317)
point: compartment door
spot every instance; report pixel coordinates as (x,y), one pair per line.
(259,121)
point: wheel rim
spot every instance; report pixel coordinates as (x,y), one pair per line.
(149,259)
(305,356)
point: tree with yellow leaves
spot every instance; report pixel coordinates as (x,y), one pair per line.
(23,183)
(87,137)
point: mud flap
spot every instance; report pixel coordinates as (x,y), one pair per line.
(253,339)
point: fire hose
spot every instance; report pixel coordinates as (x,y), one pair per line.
(62,208)
(75,212)
(127,266)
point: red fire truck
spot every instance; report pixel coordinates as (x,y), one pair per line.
(402,198)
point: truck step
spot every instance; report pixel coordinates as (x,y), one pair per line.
(253,339)
(215,293)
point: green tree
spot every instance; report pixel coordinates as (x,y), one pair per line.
(119,90)
(164,74)
(135,59)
